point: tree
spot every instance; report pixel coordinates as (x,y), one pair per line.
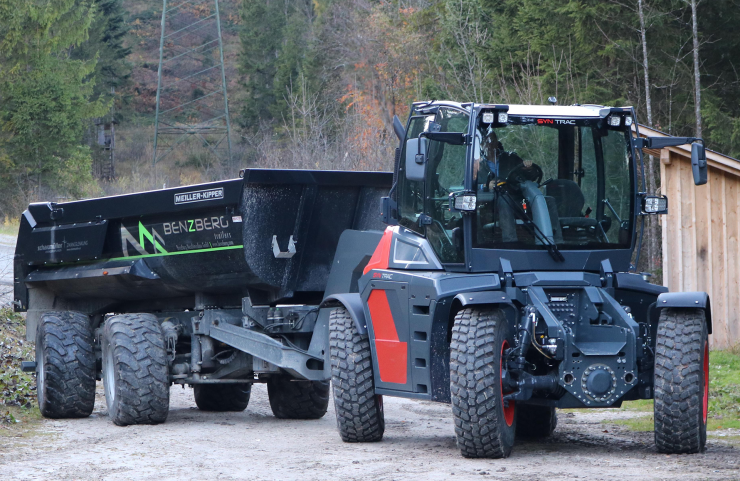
(46,97)
(105,44)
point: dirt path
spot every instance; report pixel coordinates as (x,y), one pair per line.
(418,444)
(7,251)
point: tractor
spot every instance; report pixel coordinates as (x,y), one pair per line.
(505,284)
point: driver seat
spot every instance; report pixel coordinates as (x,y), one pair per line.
(569,200)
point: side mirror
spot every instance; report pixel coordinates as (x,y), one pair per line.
(699,163)
(656,204)
(416,159)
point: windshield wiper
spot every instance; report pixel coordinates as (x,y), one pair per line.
(552,247)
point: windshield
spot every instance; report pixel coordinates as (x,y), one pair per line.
(541,182)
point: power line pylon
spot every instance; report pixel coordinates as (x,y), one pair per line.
(192,102)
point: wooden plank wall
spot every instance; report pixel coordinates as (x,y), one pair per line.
(700,240)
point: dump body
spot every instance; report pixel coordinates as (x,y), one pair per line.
(159,249)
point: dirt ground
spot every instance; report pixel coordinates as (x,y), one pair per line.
(7,250)
(418,444)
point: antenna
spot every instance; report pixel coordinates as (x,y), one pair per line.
(192,102)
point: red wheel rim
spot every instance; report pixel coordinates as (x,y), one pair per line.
(508,411)
(706,381)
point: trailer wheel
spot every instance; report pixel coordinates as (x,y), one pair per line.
(359,410)
(535,422)
(135,371)
(65,365)
(291,399)
(484,426)
(681,381)
(222,397)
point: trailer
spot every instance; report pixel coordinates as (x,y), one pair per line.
(215,286)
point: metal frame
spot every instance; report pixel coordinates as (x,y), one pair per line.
(185,72)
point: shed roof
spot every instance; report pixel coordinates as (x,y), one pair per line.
(714,159)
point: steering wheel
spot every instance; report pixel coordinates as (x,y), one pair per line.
(520,173)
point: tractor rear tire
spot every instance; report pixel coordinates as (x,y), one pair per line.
(135,370)
(291,399)
(484,426)
(535,422)
(65,365)
(681,381)
(359,410)
(222,397)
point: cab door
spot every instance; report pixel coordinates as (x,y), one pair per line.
(386,308)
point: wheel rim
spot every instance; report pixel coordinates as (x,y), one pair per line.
(508,411)
(40,378)
(706,381)
(109,376)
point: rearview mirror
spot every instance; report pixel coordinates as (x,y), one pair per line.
(699,163)
(416,159)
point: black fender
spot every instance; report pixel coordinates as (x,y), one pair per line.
(490,298)
(354,305)
(696,300)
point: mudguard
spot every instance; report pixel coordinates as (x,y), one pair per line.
(697,300)
(495,298)
(353,303)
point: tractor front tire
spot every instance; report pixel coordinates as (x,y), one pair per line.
(484,426)
(535,422)
(359,410)
(135,370)
(681,381)
(294,399)
(222,397)
(65,365)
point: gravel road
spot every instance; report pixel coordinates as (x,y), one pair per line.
(7,250)
(418,444)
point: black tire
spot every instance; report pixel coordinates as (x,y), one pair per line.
(291,399)
(535,422)
(681,381)
(359,410)
(135,371)
(484,427)
(222,397)
(65,365)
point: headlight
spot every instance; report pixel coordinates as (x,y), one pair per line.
(487,117)
(628,121)
(503,117)
(615,120)
(465,202)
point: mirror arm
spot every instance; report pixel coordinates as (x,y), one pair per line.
(662,142)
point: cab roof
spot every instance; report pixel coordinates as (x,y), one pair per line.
(567,111)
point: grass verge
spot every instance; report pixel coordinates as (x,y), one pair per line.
(724,396)
(18,407)
(9,227)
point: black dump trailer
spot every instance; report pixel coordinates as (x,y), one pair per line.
(214,285)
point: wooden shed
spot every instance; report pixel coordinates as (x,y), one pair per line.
(701,232)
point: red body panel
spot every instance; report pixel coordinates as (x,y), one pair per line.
(391,353)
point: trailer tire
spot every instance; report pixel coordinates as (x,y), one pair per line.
(485,428)
(297,399)
(681,381)
(65,365)
(535,422)
(222,397)
(359,410)
(135,370)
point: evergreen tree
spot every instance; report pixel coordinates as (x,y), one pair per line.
(46,98)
